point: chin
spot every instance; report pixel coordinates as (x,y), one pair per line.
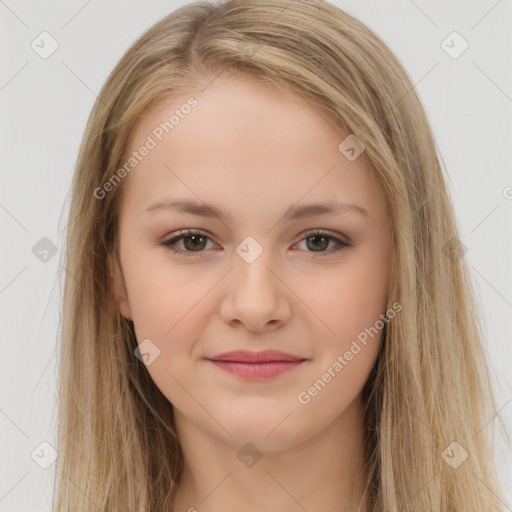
(267,436)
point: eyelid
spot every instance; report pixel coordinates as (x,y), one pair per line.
(319,231)
(179,235)
(182,233)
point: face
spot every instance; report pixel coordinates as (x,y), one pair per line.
(307,283)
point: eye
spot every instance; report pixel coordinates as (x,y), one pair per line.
(319,240)
(195,242)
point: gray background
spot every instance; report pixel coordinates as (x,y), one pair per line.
(45,104)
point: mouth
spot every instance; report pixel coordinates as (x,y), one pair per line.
(254,365)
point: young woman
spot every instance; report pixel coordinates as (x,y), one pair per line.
(266,305)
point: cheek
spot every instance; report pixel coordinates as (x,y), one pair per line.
(350,306)
(167,300)
(351,298)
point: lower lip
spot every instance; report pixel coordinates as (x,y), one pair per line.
(257,370)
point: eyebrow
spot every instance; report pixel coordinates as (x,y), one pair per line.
(292,213)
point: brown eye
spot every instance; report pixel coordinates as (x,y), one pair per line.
(319,242)
(193,242)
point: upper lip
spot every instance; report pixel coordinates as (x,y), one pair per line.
(247,356)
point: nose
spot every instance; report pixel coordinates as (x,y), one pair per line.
(255,296)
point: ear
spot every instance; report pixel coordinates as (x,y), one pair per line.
(119,288)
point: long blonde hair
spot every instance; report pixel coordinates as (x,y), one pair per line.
(429,394)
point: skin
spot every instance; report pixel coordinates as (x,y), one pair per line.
(255,151)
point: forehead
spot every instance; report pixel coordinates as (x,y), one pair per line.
(237,109)
(244,138)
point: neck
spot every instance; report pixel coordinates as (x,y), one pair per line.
(323,472)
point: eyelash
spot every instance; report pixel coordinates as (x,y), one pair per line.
(168,244)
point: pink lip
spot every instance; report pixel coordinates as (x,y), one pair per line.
(265,356)
(257,370)
(256,365)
